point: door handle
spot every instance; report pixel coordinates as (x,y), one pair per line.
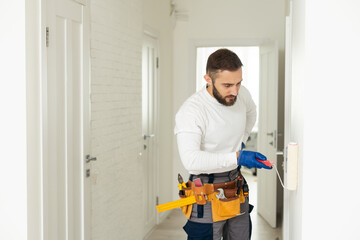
(274,135)
(149,136)
(89,158)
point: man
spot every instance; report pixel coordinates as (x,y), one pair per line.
(212,127)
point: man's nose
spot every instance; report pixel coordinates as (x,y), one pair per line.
(234,91)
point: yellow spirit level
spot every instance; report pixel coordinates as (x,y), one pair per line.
(175,204)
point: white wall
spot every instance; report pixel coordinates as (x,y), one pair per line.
(13,144)
(325,119)
(156,17)
(116,45)
(223,21)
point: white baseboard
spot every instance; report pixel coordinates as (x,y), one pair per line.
(162,216)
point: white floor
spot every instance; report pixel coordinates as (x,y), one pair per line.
(171,228)
(261,229)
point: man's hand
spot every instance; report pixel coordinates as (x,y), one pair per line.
(251,159)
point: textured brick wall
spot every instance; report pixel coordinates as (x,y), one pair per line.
(116,44)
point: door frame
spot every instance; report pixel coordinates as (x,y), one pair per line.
(35,77)
(195,43)
(287,117)
(152,33)
(86,87)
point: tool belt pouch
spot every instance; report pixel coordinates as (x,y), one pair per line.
(186,210)
(199,193)
(223,209)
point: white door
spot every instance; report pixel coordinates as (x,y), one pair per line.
(268,130)
(67,119)
(149,129)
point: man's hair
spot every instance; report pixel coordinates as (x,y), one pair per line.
(220,60)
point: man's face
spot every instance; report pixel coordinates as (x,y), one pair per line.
(224,88)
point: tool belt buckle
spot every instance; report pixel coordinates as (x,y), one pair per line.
(200,197)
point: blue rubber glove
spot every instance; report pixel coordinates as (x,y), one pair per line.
(249,159)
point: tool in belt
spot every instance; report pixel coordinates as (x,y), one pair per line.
(196,192)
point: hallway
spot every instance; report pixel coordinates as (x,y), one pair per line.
(171,228)
(72,132)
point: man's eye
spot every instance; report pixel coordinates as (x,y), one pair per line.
(227,85)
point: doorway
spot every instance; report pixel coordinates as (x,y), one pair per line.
(150,66)
(259,77)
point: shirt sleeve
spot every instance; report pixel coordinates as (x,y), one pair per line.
(189,127)
(250,115)
(196,160)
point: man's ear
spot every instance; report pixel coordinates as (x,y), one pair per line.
(208,79)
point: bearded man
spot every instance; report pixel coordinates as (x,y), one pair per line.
(212,127)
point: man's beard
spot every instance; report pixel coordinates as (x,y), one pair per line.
(222,99)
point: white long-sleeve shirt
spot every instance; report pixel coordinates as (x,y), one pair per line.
(209,134)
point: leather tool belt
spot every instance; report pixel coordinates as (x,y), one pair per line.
(222,208)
